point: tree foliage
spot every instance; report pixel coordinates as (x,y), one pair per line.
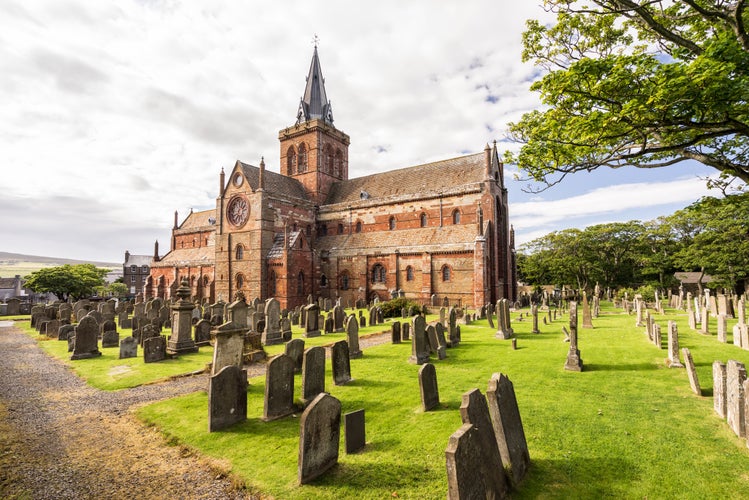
(711,236)
(67,281)
(644,83)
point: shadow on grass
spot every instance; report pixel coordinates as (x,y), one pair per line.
(631,367)
(569,477)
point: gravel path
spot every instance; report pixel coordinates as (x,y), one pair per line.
(62,439)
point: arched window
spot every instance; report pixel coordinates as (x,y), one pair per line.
(302,160)
(328,159)
(239,281)
(344,281)
(205,281)
(239,254)
(378,273)
(423,219)
(300,283)
(445,273)
(272,283)
(290,160)
(340,228)
(391,223)
(323,280)
(456,216)
(409,273)
(338,164)
(358,226)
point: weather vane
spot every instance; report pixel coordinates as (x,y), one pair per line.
(315,40)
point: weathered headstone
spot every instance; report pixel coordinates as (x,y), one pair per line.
(279,388)
(508,427)
(272,332)
(722,327)
(313,373)
(406,331)
(694,382)
(227,398)
(395,332)
(719,388)
(64,331)
(420,344)
(587,315)
(735,377)
(229,347)
(352,337)
(430,397)
(354,431)
(128,348)
(673,346)
(319,437)
(312,323)
(341,363)
(86,339)
(295,350)
(202,332)
(504,330)
(110,338)
(534,313)
(154,349)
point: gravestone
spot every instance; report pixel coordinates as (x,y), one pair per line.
(534,313)
(295,350)
(395,332)
(657,338)
(52,328)
(312,323)
(313,373)
(430,397)
(286,329)
(352,336)
(71,341)
(355,435)
(735,377)
(719,388)
(475,411)
(65,331)
(673,346)
(405,331)
(573,363)
(464,462)
(432,339)
(279,388)
(490,315)
(453,329)
(722,327)
(227,398)
(228,348)
(694,382)
(154,349)
(202,332)
(508,427)
(442,315)
(420,344)
(705,322)
(341,363)
(86,339)
(587,316)
(319,437)
(272,333)
(503,319)
(180,341)
(110,338)
(442,343)
(128,348)
(339,317)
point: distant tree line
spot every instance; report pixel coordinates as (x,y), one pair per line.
(710,236)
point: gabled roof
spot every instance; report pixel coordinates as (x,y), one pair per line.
(138,260)
(188,256)
(314,104)
(692,277)
(276,251)
(199,219)
(273,182)
(438,177)
(459,237)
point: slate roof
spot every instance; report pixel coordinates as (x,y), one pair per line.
(188,256)
(273,183)
(449,238)
(692,277)
(437,177)
(138,260)
(199,219)
(276,251)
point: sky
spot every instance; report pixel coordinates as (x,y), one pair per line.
(116,114)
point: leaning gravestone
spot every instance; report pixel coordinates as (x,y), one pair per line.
(719,388)
(352,337)
(295,350)
(279,388)
(227,398)
(442,344)
(475,411)
(313,373)
(694,382)
(508,427)
(64,331)
(154,349)
(430,397)
(86,339)
(319,437)
(128,348)
(341,363)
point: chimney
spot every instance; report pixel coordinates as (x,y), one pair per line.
(127,256)
(156,251)
(221,182)
(175,219)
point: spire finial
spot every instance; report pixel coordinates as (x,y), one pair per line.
(315,40)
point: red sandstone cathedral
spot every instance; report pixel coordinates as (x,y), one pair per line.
(432,231)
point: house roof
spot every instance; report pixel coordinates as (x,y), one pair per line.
(460,237)
(8,283)
(199,219)
(273,182)
(430,178)
(692,277)
(138,260)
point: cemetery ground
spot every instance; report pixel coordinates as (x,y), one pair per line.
(625,427)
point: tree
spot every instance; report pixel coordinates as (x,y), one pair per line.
(644,83)
(74,281)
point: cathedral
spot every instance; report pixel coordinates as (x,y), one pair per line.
(437,231)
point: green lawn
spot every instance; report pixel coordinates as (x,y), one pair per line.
(626,427)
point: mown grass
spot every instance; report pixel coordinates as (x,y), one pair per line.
(626,427)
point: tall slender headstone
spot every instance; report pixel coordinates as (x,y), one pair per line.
(508,427)
(227,398)
(312,324)
(534,313)
(587,315)
(279,388)
(719,388)
(694,382)
(573,363)
(313,373)
(735,377)
(673,346)
(272,331)
(352,337)
(420,344)
(430,397)
(722,327)
(319,437)
(395,332)
(341,363)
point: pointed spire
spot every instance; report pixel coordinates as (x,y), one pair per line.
(314,103)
